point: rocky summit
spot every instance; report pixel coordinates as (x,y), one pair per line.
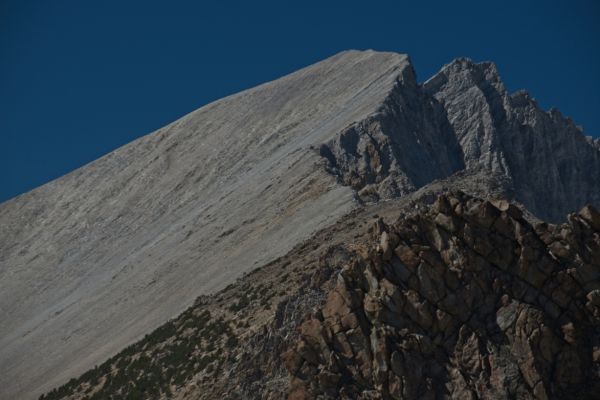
(259,203)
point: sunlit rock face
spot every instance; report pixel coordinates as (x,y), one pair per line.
(553,168)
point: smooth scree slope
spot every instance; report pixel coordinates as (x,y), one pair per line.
(104,254)
(101,256)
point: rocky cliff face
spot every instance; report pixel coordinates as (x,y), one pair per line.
(463,118)
(466,300)
(552,167)
(405,145)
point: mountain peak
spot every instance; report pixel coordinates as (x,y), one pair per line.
(132,238)
(510,135)
(465,73)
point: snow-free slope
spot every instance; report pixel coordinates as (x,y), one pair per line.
(97,258)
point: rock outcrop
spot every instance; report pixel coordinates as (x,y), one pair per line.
(464,301)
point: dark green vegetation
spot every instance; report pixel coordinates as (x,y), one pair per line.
(194,347)
(164,359)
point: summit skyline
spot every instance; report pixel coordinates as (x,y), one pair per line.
(78,81)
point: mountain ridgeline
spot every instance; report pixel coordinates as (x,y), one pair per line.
(463,119)
(283,178)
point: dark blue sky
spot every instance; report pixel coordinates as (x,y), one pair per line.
(80,78)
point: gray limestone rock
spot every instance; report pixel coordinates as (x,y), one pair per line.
(552,167)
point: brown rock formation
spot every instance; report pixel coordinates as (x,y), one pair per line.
(465,300)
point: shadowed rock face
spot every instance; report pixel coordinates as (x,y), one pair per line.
(405,145)
(99,257)
(466,300)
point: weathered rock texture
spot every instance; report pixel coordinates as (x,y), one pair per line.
(466,300)
(101,256)
(552,167)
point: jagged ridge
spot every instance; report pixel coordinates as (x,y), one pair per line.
(464,119)
(551,165)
